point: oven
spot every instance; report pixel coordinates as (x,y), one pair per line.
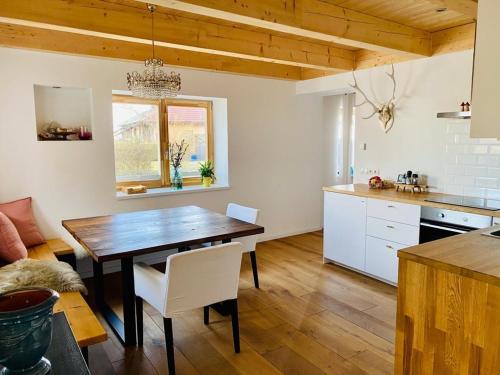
(436,223)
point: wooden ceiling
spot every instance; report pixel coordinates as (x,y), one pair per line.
(289,39)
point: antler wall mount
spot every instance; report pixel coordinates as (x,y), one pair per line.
(385,111)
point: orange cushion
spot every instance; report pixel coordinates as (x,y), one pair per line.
(11,246)
(21,215)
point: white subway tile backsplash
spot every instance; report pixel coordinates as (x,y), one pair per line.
(455,169)
(475,192)
(464,139)
(488,141)
(456,149)
(476,149)
(485,182)
(454,189)
(476,171)
(472,165)
(451,159)
(466,159)
(464,180)
(493,194)
(494,172)
(458,127)
(495,149)
(489,160)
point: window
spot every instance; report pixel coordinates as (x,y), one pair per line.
(142,130)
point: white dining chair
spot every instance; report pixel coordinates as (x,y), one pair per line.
(192,279)
(250,215)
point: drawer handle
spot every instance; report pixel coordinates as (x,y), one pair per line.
(390,227)
(389,247)
(391,206)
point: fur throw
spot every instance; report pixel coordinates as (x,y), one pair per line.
(43,273)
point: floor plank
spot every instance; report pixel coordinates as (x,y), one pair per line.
(307,318)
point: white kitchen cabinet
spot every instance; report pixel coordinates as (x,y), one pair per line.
(486,80)
(392,231)
(365,234)
(382,258)
(345,229)
(394,211)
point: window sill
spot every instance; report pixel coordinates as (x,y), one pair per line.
(168,191)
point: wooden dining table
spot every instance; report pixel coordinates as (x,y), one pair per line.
(124,236)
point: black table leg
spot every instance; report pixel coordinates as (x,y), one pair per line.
(98,283)
(128,293)
(125,330)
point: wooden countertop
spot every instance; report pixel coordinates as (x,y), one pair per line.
(471,255)
(362,190)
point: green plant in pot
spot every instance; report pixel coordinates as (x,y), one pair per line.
(207,173)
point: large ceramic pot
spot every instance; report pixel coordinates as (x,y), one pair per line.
(26,330)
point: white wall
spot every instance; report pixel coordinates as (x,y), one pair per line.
(273,145)
(438,148)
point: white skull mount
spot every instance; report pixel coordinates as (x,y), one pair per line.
(385,111)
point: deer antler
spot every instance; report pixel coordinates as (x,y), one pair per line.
(393,78)
(356,87)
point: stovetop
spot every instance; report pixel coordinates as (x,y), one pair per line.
(482,203)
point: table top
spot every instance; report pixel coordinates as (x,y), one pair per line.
(63,353)
(135,233)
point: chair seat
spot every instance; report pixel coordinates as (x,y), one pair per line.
(150,285)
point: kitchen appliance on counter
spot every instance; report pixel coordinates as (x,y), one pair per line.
(482,203)
(437,223)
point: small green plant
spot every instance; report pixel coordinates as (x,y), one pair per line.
(207,170)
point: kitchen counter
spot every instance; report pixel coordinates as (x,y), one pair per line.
(448,316)
(362,190)
(471,255)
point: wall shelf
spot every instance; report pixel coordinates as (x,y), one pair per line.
(63,113)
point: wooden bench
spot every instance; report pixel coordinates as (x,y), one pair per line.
(83,322)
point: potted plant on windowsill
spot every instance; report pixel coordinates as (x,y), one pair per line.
(207,173)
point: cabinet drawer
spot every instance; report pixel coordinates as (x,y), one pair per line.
(382,258)
(392,231)
(394,211)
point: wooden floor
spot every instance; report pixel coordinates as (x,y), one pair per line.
(307,318)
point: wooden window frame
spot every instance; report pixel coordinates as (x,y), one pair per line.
(210,141)
(163,104)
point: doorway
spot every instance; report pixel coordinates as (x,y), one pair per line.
(340,129)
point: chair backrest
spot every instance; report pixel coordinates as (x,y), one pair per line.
(248,214)
(202,277)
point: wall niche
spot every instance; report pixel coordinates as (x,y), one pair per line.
(63,113)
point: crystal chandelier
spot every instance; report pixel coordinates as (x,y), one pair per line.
(154,82)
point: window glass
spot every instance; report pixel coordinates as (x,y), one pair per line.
(191,124)
(136,129)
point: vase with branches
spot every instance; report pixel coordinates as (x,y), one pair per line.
(176,152)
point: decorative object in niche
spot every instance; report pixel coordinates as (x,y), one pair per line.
(63,113)
(385,111)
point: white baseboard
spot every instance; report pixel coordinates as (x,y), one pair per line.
(85,265)
(288,234)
